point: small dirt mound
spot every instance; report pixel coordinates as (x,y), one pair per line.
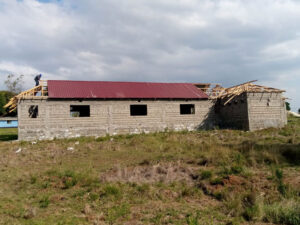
(166,173)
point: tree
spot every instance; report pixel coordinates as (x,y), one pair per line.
(5,96)
(14,83)
(299,111)
(287,106)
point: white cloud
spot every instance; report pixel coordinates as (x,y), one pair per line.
(188,40)
(283,51)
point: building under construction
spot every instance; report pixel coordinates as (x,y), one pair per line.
(63,109)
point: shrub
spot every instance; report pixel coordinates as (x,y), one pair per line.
(69,179)
(45,184)
(283,213)
(217,180)
(111,190)
(33,179)
(251,207)
(219,195)
(279,174)
(233,205)
(236,169)
(116,212)
(69,182)
(206,174)
(93,196)
(144,188)
(287,106)
(251,213)
(44,202)
(281,187)
(190,191)
(192,220)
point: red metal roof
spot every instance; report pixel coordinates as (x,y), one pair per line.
(123,90)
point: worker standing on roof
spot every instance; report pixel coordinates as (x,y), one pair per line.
(37,79)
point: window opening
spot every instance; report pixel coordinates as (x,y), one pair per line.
(187,109)
(138,110)
(80,111)
(33,111)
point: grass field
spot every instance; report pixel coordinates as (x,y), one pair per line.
(8,134)
(203,177)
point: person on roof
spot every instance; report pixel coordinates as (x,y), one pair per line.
(37,79)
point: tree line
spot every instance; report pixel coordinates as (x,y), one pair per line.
(14,85)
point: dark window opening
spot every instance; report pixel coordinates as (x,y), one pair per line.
(80,111)
(187,109)
(33,111)
(138,110)
(8,122)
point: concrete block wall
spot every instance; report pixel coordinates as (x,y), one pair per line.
(109,117)
(252,111)
(266,110)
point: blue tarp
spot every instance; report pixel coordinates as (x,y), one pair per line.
(8,123)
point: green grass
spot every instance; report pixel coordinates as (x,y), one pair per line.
(236,177)
(8,134)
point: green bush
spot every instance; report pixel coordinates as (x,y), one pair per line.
(219,195)
(283,213)
(206,174)
(251,213)
(33,179)
(69,179)
(93,196)
(279,174)
(192,220)
(282,188)
(236,169)
(116,212)
(111,190)
(44,202)
(251,207)
(144,188)
(217,180)
(190,191)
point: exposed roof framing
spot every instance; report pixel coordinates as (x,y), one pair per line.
(229,93)
(31,93)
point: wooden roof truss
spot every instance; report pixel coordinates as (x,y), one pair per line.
(230,93)
(38,92)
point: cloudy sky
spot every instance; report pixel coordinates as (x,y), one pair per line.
(220,41)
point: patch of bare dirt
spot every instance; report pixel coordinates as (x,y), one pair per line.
(166,173)
(291,177)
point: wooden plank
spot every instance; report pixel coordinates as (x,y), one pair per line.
(31,93)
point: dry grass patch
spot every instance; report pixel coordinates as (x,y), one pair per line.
(203,177)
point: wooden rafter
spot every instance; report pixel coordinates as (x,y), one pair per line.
(230,93)
(13,102)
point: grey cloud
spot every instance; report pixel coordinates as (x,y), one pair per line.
(193,41)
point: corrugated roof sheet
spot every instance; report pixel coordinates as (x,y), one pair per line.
(123,90)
